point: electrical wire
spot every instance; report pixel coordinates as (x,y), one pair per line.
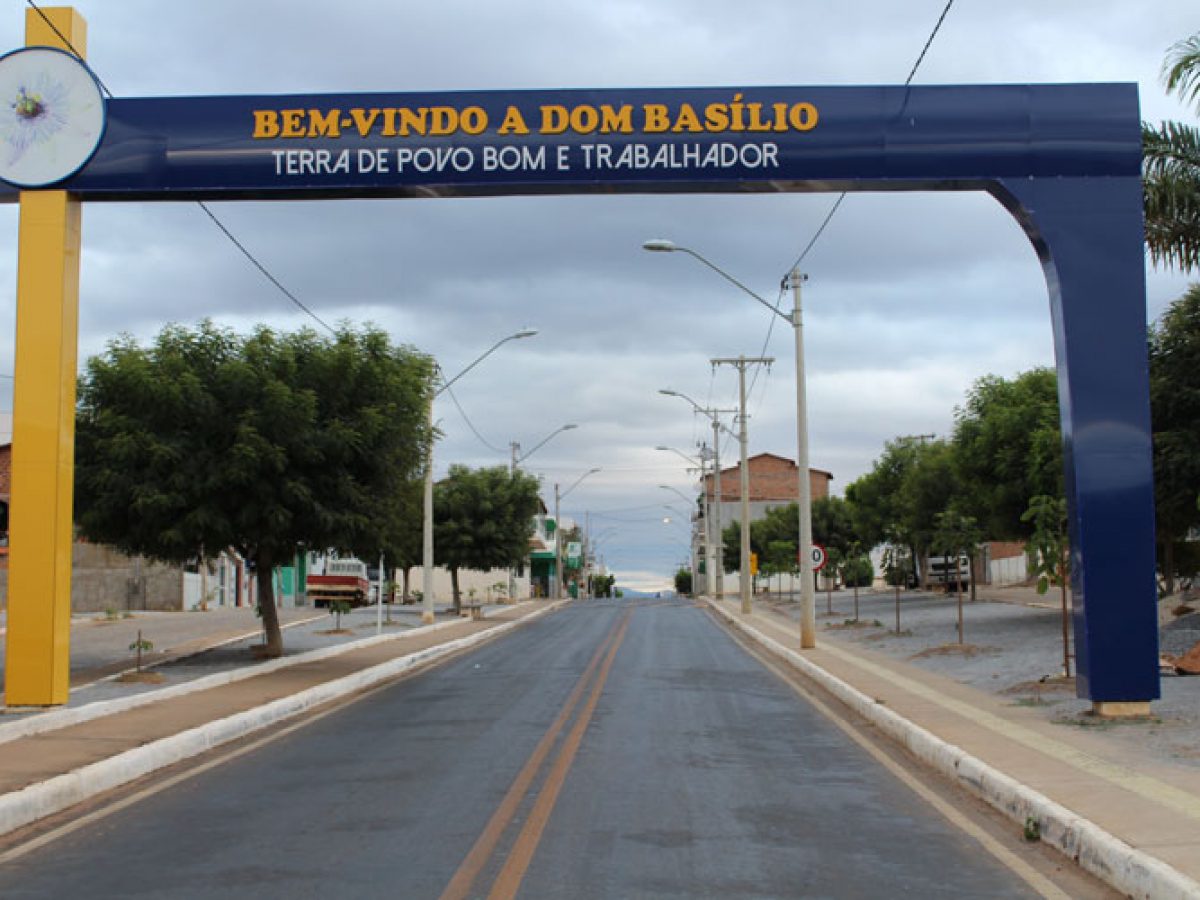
(833,210)
(470,425)
(221,225)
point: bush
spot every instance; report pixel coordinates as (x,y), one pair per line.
(858,572)
(683,582)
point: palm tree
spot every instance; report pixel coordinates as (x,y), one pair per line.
(1171,167)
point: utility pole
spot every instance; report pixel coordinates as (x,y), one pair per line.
(717,542)
(745,579)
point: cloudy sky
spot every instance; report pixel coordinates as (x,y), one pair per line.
(911,298)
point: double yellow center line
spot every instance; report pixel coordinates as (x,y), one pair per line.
(508,881)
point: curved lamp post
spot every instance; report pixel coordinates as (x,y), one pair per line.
(808,622)
(716,581)
(517,459)
(558,531)
(427,525)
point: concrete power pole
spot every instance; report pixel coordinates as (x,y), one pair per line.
(745,579)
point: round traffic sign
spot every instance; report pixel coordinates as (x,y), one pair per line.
(818,557)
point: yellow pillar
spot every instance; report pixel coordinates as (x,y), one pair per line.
(37,671)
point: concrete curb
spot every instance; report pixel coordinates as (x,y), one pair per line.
(1106,856)
(20,808)
(52,720)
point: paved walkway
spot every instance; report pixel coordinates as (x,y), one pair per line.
(1152,805)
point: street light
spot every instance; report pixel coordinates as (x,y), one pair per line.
(808,622)
(558,531)
(700,548)
(516,461)
(716,565)
(427,531)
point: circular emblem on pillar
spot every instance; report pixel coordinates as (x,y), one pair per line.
(51,116)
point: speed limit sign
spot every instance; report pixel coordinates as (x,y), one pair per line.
(818,557)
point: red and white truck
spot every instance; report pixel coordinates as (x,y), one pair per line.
(343,579)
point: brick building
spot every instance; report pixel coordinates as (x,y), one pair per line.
(773,482)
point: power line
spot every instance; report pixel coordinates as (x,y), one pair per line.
(837,204)
(474,431)
(224,229)
(261,268)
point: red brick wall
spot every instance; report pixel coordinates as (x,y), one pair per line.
(771,478)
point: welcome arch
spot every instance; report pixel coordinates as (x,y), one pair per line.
(1064,160)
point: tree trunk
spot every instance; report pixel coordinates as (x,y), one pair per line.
(404,572)
(272,634)
(974,566)
(454,590)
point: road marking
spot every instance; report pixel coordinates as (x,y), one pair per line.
(1006,857)
(508,882)
(485,845)
(1145,785)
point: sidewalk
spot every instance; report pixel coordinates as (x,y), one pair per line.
(1099,778)
(113,733)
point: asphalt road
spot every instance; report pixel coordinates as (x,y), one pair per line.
(612,749)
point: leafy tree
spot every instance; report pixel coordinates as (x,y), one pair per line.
(1008,449)
(930,486)
(833,524)
(1175,414)
(206,439)
(483,519)
(875,502)
(683,582)
(1171,167)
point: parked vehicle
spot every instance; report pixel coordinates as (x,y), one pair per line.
(343,579)
(950,571)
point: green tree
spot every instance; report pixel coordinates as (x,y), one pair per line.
(483,519)
(206,439)
(929,488)
(683,582)
(875,502)
(833,524)
(1171,167)
(1008,449)
(1175,416)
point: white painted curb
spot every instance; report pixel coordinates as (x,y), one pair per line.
(54,719)
(1127,869)
(20,808)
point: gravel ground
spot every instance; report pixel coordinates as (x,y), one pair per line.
(1015,651)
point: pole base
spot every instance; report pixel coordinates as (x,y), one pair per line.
(426,618)
(1121,709)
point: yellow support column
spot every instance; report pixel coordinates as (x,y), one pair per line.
(37,671)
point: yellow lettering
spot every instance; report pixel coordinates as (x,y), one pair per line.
(514,123)
(266,123)
(657,118)
(687,120)
(473,120)
(716,117)
(364,120)
(618,120)
(584,119)
(756,121)
(327,125)
(389,122)
(736,108)
(445,121)
(413,120)
(554,119)
(803,116)
(293,123)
